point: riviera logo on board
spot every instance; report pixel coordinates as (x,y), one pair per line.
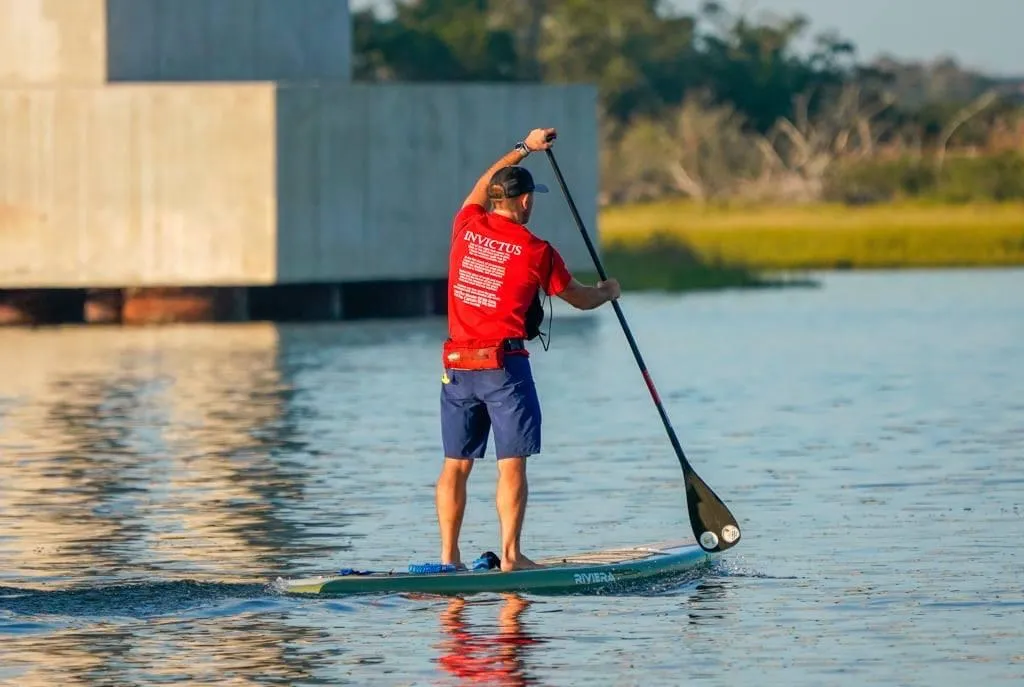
(591,578)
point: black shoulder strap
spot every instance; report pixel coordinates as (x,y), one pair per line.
(535,313)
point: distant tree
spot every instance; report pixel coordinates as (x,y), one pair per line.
(434,40)
(640,57)
(753,65)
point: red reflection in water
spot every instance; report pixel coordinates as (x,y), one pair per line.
(477,655)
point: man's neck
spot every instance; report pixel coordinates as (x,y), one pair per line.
(507,214)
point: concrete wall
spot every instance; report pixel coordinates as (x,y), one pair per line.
(228,40)
(137,185)
(89,42)
(234,184)
(370,176)
(300,177)
(52,41)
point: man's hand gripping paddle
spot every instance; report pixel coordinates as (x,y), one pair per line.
(713,525)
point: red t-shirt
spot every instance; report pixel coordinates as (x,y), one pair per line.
(495,268)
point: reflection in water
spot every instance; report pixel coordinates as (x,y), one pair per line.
(65,657)
(154,480)
(143,454)
(480,655)
(144,449)
(706,603)
(237,649)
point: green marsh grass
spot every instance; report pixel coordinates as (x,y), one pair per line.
(680,236)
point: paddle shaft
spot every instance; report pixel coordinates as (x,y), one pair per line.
(687,468)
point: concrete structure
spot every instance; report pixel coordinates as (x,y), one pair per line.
(94,42)
(184,143)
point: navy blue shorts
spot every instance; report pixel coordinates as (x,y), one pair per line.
(473,402)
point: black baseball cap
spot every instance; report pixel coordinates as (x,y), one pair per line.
(509,182)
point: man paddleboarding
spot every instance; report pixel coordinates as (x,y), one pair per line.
(496,266)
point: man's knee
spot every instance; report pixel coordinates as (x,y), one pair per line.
(457,468)
(513,467)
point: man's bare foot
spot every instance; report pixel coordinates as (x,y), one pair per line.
(455,558)
(518,563)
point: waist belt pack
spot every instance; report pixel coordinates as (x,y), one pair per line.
(489,357)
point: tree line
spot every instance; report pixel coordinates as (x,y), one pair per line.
(714,105)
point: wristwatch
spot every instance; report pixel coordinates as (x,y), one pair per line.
(521,148)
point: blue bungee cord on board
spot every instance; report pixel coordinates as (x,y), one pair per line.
(428,568)
(485,562)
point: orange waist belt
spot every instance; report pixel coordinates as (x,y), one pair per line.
(462,357)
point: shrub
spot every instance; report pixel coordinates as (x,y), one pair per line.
(992,178)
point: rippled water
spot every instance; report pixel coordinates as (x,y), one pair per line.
(868,435)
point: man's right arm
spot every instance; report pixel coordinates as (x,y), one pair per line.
(583,297)
(535,140)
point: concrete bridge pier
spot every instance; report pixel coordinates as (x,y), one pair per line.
(103,306)
(184,304)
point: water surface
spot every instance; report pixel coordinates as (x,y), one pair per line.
(868,434)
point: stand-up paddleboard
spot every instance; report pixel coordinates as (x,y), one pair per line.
(583,572)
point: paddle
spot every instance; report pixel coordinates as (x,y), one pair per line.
(713,525)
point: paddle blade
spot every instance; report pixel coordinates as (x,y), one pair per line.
(714,526)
